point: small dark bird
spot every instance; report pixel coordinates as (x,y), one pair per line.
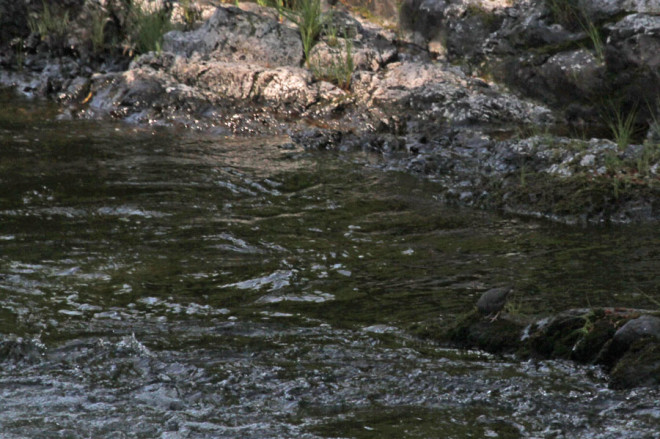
(493,301)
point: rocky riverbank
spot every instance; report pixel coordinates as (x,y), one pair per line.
(625,342)
(503,119)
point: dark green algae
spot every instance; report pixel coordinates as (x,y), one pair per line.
(579,199)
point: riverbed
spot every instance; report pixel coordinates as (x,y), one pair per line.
(172,283)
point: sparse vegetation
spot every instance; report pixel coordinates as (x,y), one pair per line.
(19,52)
(650,154)
(99,19)
(190,13)
(147,27)
(142,31)
(596,39)
(330,34)
(51,26)
(565,12)
(523,175)
(570,14)
(622,126)
(310,19)
(340,67)
(514,306)
(612,162)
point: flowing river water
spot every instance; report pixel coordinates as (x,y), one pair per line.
(158,283)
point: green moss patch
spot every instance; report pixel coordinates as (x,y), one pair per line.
(581,195)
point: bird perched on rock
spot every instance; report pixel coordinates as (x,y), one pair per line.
(493,301)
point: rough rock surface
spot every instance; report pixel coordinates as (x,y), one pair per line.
(233,35)
(243,71)
(583,335)
(577,57)
(637,329)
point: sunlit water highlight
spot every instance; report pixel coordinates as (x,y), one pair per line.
(178,285)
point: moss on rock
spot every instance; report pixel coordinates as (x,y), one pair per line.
(476,331)
(582,335)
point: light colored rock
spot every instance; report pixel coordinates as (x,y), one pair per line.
(573,72)
(635,329)
(233,35)
(636,39)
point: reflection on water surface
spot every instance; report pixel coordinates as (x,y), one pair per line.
(158,283)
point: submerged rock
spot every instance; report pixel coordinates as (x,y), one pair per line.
(625,342)
(21,350)
(639,366)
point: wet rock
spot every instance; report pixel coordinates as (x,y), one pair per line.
(557,337)
(639,367)
(241,71)
(596,334)
(493,300)
(644,329)
(624,342)
(637,329)
(76,90)
(21,350)
(473,331)
(318,139)
(633,354)
(575,334)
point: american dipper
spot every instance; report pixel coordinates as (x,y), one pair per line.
(493,301)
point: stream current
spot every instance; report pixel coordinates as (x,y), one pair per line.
(157,283)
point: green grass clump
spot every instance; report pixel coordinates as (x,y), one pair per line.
(191,14)
(98,20)
(596,40)
(310,19)
(51,26)
(622,126)
(19,53)
(147,27)
(572,16)
(339,69)
(649,155)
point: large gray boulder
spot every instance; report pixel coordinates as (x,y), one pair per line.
(637,329)
(597,53)
(434,96)
(234,35)
(633,55)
